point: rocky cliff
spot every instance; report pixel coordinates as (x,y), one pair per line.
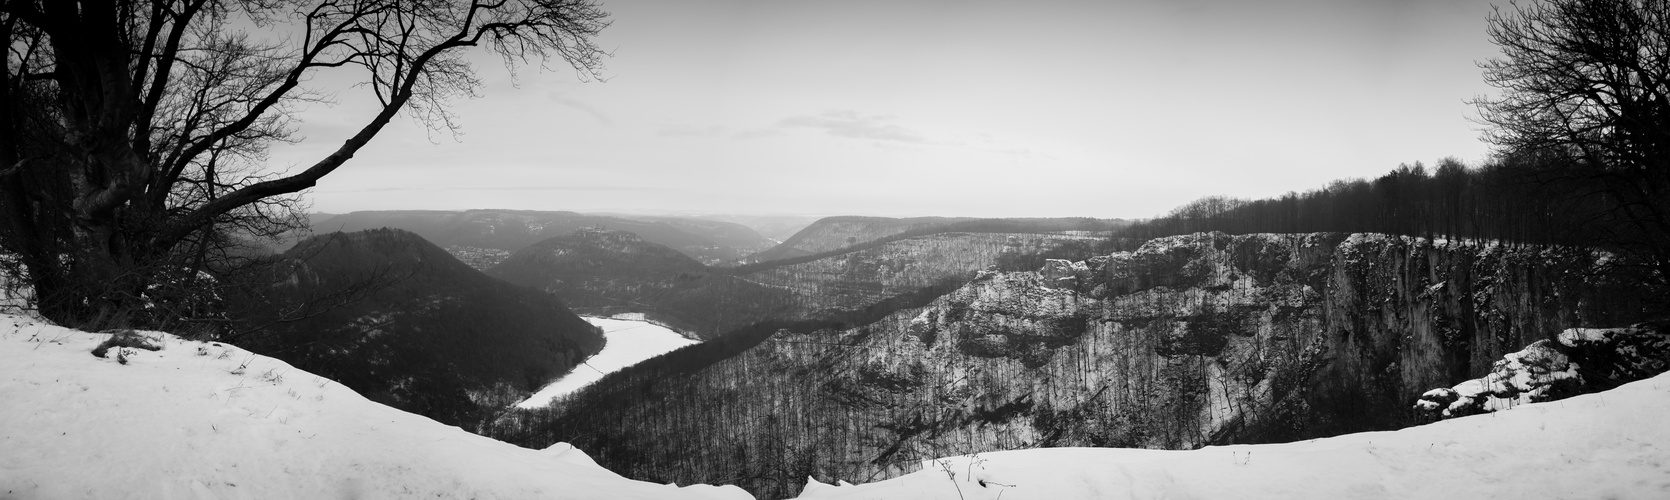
(1187,341)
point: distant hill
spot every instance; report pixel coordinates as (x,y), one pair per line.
(597,269)
(485,236)
(426,333)
(317,218)
(830,233)
(730,233)
(837,233)
(604,272)
(776,227)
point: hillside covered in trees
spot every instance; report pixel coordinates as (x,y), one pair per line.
(488,236)
(836,235)
(403,322)
(607,272)
(1517,200)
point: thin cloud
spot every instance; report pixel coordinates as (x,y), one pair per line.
(851,124)
(558,98)
(691,131)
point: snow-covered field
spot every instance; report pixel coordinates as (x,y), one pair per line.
(208,420)
(628,342)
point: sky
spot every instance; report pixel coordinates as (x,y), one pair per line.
(954,108)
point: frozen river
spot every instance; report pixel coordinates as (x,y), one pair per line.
(628,341)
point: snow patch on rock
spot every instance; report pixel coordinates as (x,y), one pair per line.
(1577,361)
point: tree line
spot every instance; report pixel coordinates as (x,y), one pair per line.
(1513,200)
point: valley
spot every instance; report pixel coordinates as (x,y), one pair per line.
(880,344)
(1189,341)
(605,250)
(607,272)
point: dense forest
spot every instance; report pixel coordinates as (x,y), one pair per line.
(1515,200)
(401,321)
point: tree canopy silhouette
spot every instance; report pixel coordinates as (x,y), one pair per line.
(132,131)
(1585,96)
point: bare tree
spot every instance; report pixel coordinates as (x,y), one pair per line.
(132,130)
(1587,83)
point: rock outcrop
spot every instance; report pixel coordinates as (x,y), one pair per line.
(1577,361)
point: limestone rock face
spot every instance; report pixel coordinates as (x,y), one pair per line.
(1058,273)
(1186,341)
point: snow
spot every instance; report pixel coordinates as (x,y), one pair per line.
(1606,445)
(210,420)
(1519,378)
(629,339)
(1578,336)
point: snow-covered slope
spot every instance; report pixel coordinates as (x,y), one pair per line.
(1606,445)
(628,341)
(210,420)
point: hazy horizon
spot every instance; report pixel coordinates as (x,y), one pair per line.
(980,109)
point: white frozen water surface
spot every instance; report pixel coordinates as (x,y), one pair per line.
(629,342)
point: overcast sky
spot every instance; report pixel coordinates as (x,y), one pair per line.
(956,108)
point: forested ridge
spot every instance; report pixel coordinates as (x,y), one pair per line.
(606,272)
(511,230)
(403,322)
(861,235)
(1519,200)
